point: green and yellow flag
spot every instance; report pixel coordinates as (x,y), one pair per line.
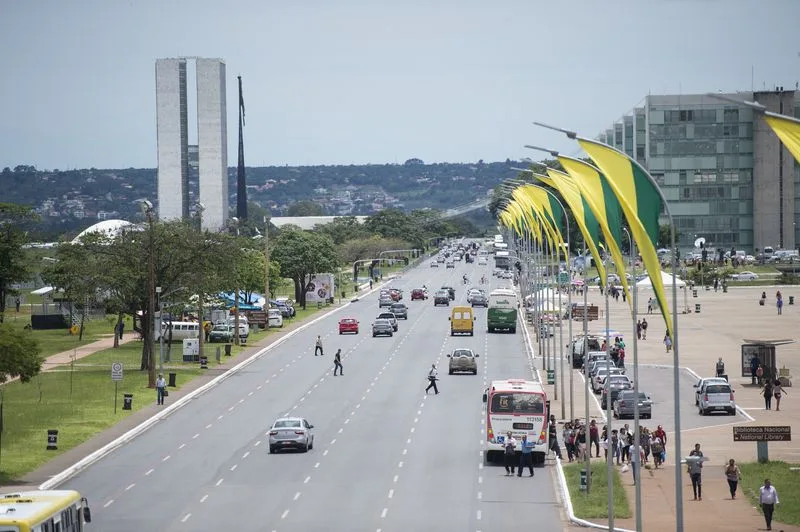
(586,221)
(538,205)
(641,203)
(597,194)
(787,129)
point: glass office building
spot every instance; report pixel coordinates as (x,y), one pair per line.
(723,171)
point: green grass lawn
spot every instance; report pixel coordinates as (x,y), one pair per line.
(78,400)
(595,504)
(54,341)
(785,481)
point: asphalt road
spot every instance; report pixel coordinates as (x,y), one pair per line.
(386,456)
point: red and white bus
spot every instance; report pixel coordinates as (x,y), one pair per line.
(520,407)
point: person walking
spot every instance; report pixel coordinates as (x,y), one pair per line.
(733,475)
(639,329)
(161,389)
(120,328)
(695,470)
(720,367)
(510,454)
(594,438)
(778,391)
(17,303)
(644,328)
(779,303)
(433,376)
(767,392)
(649,305)
(668,342)
(768,497)
(526,458)
(318,347)
(552,435)
(636,462)
(337,363)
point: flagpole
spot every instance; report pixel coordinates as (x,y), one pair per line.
(610,460)
(586,440)
(636,425)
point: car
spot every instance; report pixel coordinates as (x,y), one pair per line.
(221,333)
(450,292)
(745,276)
(275,317)
(390,317)
(603,402)
(385,301)
(382,327)
(348,325)
(450,264)
(482,261)
(434,264)
(472,292)
(441,298)
(599,376)
(463,360)
(716,397)
(396,294)
(440,259)
(624,405)
(698,387)
(480,300)
(399,310)
(418,293)
(291,433)
(616,382)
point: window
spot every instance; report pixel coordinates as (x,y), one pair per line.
(640,152)
(287,423)
(517,403)
(731,115)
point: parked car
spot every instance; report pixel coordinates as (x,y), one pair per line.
(399,310)
(463,360)
(382,327)
(698,387)
(275,318)
(617,382)
(441,298)
(348,325)
(418,293)
(390,317)
(291,433)
(745,276)
(603,399)
(625,403)
(221,333)
(717,397)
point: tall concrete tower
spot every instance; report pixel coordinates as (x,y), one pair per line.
(212,140)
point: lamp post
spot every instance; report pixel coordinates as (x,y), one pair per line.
(147,209)
(160,330)
(234,223)
(637,436)
(199,208)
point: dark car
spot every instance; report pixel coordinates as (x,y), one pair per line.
(480,300)
(382,327)
(441,298)
(390,317)
(399,310)
(450,291)
(418,293)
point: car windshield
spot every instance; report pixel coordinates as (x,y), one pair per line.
(348,321)
(517,403)
(221,328)
(287,423)
(462,353)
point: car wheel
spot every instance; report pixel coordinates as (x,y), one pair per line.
(474,371)
(374,335)
(305,450)
(450,372)
(391,334)
(471,333)
(272,450)
(340,332)
(312,443)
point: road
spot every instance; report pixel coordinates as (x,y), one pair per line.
(386,455)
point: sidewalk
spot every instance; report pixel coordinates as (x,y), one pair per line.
(725,321)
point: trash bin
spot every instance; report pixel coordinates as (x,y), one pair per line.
(203,362)
(694,293)
(172,377)
(127,401)
(584,485)
(228,350)
(52,440)
(219,354)
(551,376)
(697,308)
(791,300)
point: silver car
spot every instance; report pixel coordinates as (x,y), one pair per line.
(291,433)
(382,327)
(624,404)
(463,360)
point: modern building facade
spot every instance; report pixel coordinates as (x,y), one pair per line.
(173,146)
(725,174)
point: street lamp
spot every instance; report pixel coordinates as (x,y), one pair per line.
(234,224)
(160,330)
(147,209)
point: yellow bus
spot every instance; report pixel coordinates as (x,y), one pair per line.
(44,511)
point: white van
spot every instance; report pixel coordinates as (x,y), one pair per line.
(275,317)
(181,330)
(244,326)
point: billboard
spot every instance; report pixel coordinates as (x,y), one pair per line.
(320,288)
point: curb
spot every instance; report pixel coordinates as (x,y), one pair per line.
(145,425)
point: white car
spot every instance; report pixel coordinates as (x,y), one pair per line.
(698,387)
(275,318)
(434,264)
(482,261)
(745,276)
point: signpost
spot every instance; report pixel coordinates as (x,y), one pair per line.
(762,435)
(116,376)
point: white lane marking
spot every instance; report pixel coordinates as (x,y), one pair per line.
(242,400)
(230,409)
(165,458)
(405,451)
(480,465)
(209,425)
(303,398)
(130,486)
(416,419)
(325,452)
(109,503)
(258,387)
(186,518)
(219,482)
(148,472)
(341,430)
(400,464)
(181,446)
(408,440)
(316,465)
(245,455)
(396,477)
(480,495)
(285,513)
(384,512)
(204,497)
(363,397)
(480,480)
(358,405)
(195,436)
(234,466)
(249,394)
(478,515)
(315,385)
(346,421)
(296,495)
(419,412)
(352,413)
(391,493)
(333,441)
(258,442)
(412,429)
(306,480)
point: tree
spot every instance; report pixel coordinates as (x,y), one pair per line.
(394,223)
(305,208)
(301,254)
(250,273)
(19,354)
(343,229)
(14,264)
(664,236)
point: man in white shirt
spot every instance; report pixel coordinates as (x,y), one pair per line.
(432,378)
(768,499)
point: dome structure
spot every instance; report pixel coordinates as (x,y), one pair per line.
(111,228)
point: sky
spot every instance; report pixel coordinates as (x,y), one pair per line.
(372,81)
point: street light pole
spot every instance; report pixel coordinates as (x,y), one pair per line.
(160,331)
(235,225)
(148,325)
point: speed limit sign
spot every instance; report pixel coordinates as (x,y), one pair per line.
(116,371)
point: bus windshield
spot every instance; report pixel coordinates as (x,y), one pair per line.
(517,403)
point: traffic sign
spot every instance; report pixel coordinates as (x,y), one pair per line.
(116,371)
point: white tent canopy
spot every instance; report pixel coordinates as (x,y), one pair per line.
(666,278)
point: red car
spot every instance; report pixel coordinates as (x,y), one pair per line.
(348,325)
(418,293)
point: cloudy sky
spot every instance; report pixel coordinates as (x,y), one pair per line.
(372,81)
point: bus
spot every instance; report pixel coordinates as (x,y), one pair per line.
(502,312)
(520,407)
(502,260)
(44,511)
